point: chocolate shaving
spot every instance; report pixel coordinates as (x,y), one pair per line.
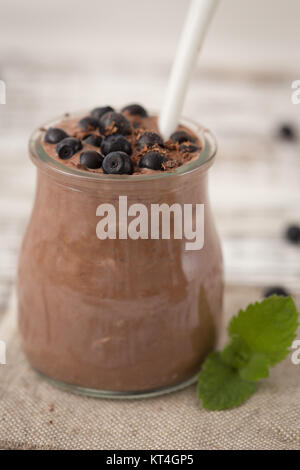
(171,150)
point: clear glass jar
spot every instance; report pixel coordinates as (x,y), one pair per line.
(117,317)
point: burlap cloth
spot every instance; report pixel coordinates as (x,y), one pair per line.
(35,415)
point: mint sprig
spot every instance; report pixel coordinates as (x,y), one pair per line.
(220,386)
(267,327)
(259,337)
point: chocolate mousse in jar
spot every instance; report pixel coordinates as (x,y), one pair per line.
(120,272)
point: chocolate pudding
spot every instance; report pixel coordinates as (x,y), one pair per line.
(117,317)
(136,134)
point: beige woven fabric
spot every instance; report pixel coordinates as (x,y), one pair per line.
(34,414)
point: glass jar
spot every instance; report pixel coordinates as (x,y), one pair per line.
(117,317)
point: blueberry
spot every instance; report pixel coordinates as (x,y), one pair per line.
(276,290)
(98,112)
(115,142)
(128,166)
(117,163)
(152,160)
(76,142)
(67,147)
(93,139)
(55,135)
(292,234)
(117,121)
(135,110)
(287,132)
(149,139)
(101,127)
(88,123)
(181,136)
(186,148)
(91,159)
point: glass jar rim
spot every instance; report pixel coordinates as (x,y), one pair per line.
(205,158)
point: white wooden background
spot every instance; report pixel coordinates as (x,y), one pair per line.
(59,56)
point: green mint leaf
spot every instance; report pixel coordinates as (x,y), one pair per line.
(251,365)
(236,353)
(257,368)
(260,336)
(220,386)
(267,327)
